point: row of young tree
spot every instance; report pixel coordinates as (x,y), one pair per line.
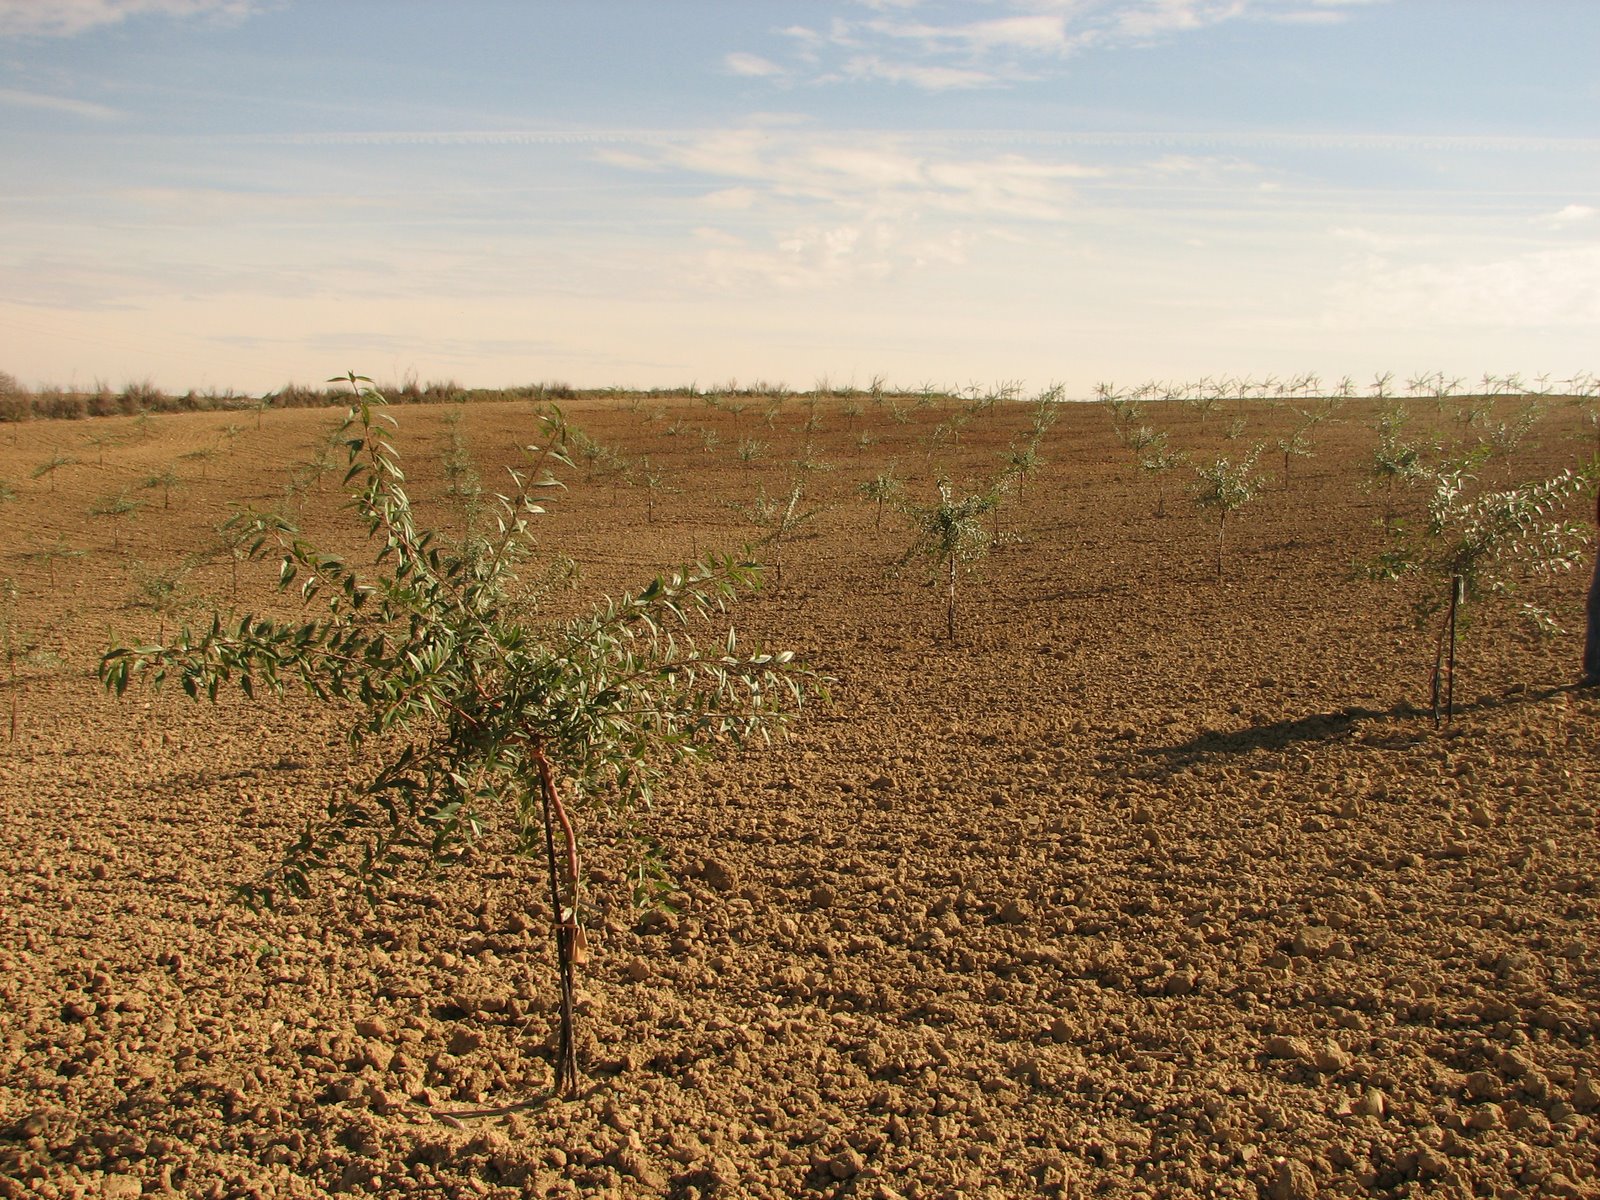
(950,531)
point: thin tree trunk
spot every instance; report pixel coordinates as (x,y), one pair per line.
(1450,669)
(568,947)
(1444,657)
(950,611)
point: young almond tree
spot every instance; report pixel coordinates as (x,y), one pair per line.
(654,482)
(50,466)
(1224,488)
(1394,460)
(1139,439)
(1479,546)
(476,712)
(1020,459)
(883,488)
(55,552)
(165,479)
(952,534)
(1296,445)
(22,646)
(115,507)
(1158,459)
(780,518)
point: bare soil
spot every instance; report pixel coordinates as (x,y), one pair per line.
(1153,884)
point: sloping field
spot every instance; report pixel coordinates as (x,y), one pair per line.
(1154,884)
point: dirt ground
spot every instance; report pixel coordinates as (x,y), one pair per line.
(1153,884)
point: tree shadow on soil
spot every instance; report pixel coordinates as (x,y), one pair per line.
(1408,725)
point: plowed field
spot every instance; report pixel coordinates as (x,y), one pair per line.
(1154,883)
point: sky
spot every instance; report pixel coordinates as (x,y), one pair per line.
(652,193)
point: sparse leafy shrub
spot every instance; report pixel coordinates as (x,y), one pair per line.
(115,507)
(202,455)
(780,518)
(1394,460)
(1021,459)
(163,480)
(1125,411)
(654,483)
(164,590)
(1296,445)
(1223,487)
(951,533)
(948,431)
(1157,460)
(48,468)
(100,441)
(463,486)
(1203,399)
(55,552)
(748,450)
(600,463)
(1477,546)
(1505,437)
(1138,439)
(883,488)
(244,531)
(23,646)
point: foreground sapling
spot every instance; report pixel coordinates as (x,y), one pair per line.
(476,711)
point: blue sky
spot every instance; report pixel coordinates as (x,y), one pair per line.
(240,193)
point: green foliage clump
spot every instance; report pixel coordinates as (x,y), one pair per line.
(1480,545)
(883,488)
(1224,487)
(780,518)
(952,534)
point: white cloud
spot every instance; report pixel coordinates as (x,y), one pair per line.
(1044,33)
(751,65)
(61,104)
(64,18)
(734,198)
(1157,17)
(801,257)
(1572,214)
(816,209)
(894,46)
(929,78)
(1533,291)
(868,176)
